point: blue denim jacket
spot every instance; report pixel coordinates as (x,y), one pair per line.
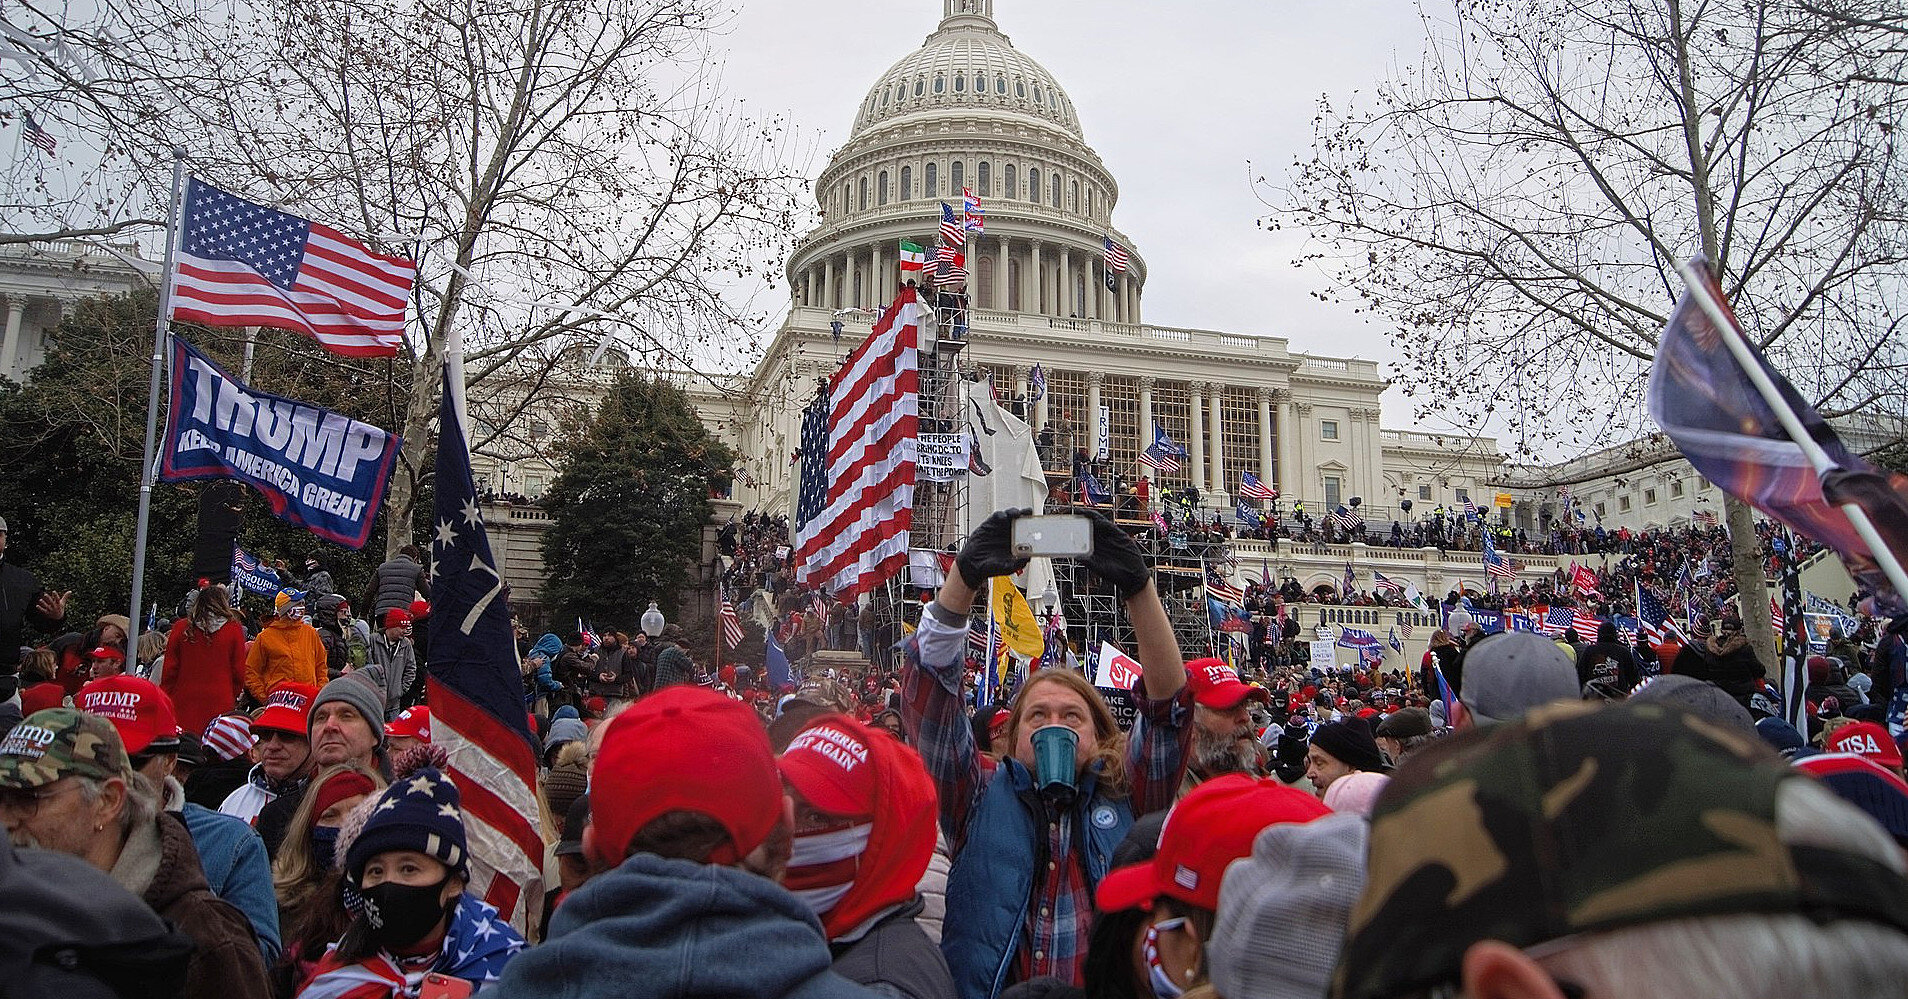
(235,866)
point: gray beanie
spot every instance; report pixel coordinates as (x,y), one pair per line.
(359,691)
(565,730)
(1283,910)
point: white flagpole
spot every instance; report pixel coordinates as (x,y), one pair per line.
(162,337)
(1792,424)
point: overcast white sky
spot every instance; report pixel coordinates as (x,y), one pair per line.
(1176,98)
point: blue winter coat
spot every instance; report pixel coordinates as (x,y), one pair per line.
(237,871)
(655,927)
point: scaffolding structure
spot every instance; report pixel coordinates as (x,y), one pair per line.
(1089,605)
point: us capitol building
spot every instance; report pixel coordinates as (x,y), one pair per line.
(969,110)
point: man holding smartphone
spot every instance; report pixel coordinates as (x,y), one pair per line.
(23,602)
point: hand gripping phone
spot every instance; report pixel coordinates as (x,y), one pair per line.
(1059,536)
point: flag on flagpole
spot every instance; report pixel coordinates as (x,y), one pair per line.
(1036,384)
(913,259)
(476,689)
(1351,580)
(243,264)
(1404,626)
(1385,584)
(1247,516)
(1221,587)
(1249,485)
(775,662)
(1584,624)
(1496,566)
(1117,259)
(952,232)
(1356,638)
(1396,645)
(855,501)
(1448,696)
(1584,580)
(1711,408)
(38,137)
(950,266)
(971,215)
(731,624)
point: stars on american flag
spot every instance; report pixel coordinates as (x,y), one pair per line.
(220,226)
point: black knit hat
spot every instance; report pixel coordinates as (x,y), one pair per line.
(1350,742)
(420,812)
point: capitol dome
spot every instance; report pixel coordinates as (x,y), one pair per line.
(967,111)
(967,64)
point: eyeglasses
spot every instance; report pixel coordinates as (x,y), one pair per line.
(25,801)
(274,735)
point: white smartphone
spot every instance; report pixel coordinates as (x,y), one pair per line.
(1058,536)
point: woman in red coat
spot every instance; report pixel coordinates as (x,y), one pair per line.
(205,660)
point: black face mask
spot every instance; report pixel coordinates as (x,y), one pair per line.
(401,915)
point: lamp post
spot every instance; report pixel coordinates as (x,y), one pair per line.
(652,621)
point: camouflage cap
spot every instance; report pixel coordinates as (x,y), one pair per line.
(1583,817)
(61,742)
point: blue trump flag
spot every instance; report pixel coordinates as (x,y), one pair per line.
(318,469)
(476,689)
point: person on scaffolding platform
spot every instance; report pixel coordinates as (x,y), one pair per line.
(1032,836)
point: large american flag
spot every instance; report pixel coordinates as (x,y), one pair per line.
(856,498)
(476,689)
(1584,624)
(38,137)
(953,233)
(1159,458)
(1554,621)
(243,264)
(1116,258)
(731,623)
(1249,485)
(1222,588)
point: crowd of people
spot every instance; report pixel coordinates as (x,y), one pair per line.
(1519,816)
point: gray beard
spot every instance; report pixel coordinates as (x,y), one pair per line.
(1216,756)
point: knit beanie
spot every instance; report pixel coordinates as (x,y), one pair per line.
(564,784)
(1355,793)
(1350,742)
(1865,784)
(357,690)
(229,737)
(420,813)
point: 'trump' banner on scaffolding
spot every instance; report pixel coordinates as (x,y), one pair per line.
(321,470)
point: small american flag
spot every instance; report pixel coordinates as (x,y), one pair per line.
(1470,509)
(1495,564)
(1404,626)
(952,232)
(1222,589)
(38,136)
(1159,458)
(972,220)
(731,623)
(950,265)
(1116,257)
(1385,584)
(1249,485)
(243,264)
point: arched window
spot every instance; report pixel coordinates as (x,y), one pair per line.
(1056,191)
(940,84)
(1037,98)
(956,177)
(1000,84)
(881,188)
(857,300)
(864,194)
(1020,88)
(1033,184)
(847,196)
(960,83)
(1073,202)
(932,189)
(1008,190)
(886,92)
(917,86)
(907,183)
(982,175)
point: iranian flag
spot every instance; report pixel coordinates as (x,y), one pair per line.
(913,257)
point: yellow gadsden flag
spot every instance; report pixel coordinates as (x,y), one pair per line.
(1014,621)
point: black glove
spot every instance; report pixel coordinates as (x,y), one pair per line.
(989,551)
(1117,558)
